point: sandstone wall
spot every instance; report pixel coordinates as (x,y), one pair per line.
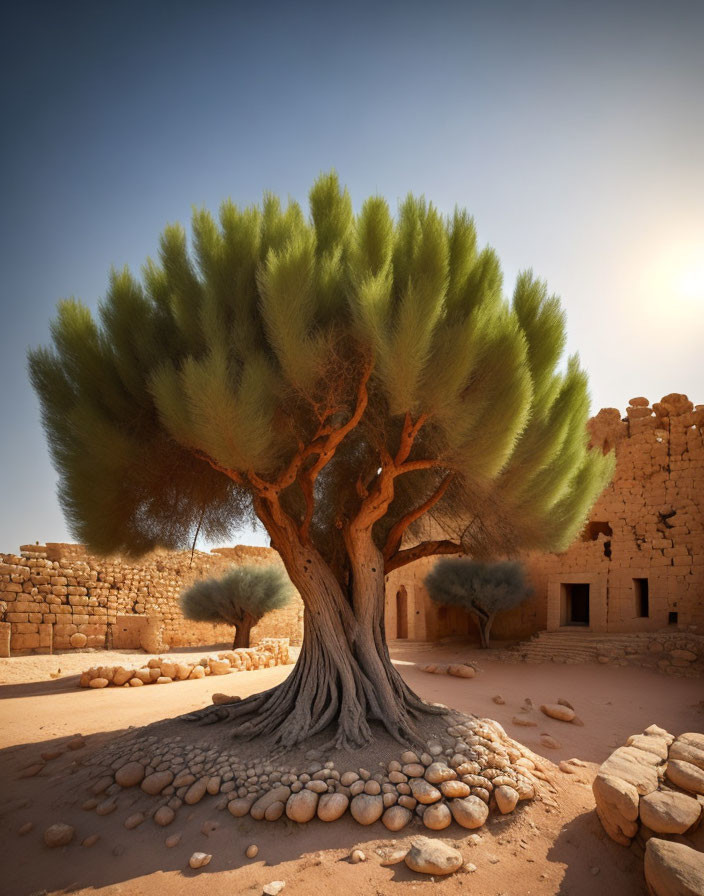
(59,596)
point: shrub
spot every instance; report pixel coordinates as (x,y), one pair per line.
(483,589)
(241,598)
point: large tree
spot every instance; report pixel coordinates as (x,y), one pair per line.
(359,383)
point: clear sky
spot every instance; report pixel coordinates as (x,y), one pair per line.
(573,132)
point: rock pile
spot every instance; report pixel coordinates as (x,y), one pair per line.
(650,790)
(473,768)
(164,670)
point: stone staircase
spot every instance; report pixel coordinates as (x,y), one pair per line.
(649,649)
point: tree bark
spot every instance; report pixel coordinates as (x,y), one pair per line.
(242,631)
(344,677)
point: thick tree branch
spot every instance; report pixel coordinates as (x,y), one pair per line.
(396,534)
(425,549)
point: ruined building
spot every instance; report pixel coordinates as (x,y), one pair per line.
(638,565)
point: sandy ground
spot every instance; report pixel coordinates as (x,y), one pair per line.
(550,846)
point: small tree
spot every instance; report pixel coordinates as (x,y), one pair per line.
(483,589)
(241,598)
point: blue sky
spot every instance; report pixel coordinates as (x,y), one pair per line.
(574,133)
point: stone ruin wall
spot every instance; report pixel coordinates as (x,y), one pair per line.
(654,509)
(59,597)
(648,524)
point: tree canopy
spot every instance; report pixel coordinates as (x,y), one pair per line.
(326,357)
(483,589)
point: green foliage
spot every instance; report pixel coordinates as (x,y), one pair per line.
(489,587)
(245,590)
(228,349)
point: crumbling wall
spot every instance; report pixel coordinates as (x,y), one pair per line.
(59,596)
(647,525)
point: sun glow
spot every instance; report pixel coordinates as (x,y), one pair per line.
(690,281)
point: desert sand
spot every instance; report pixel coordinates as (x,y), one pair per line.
(551,845)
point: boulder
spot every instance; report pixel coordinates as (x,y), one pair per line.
(156,782)
(668,812)
(634,766)
(685,775)
(428,856)
(673,869)
(687,752)
(615,792)
(506,798)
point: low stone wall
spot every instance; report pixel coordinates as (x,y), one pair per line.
(652,791)
(61,597)
(165,670)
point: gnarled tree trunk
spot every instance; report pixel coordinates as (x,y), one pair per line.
(344,676)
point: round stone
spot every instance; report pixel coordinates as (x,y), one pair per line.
(506,798)
(156,782)
(366,808)
(98,683)
(454,789)
(252,851)
(437,772)
(424,792)
(164,815)
(130,775)
(78,640)
(396,817)
(59,835)
(558,711)
(199,859)
(437,817)
(357,856)
(470,812)
(332,806)
(301,806)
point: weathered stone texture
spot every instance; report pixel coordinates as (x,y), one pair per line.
(61,597)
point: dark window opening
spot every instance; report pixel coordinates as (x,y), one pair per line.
(576,597)
(607,549)
(672,618)
(594,529)
(640,587)
(402,613)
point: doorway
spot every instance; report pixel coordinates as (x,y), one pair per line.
(575,603)
(402,612)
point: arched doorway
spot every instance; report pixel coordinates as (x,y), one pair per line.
(402,612)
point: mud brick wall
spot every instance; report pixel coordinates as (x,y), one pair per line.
(642,551)
(60,597)
(647,526)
